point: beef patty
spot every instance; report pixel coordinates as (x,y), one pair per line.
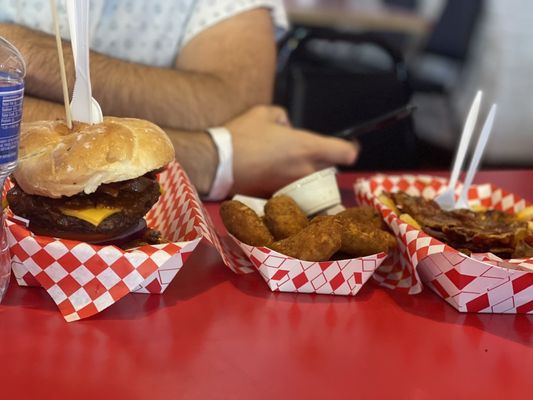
(133,197)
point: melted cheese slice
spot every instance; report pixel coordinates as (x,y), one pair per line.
(92,215)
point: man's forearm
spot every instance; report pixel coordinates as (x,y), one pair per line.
(35,109)
(169,97)
(195,151)
(162,95)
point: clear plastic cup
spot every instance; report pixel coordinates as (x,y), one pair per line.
(12,72)
(5,259)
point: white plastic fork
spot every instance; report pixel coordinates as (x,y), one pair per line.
(446,198)
(83,106)
(462,202)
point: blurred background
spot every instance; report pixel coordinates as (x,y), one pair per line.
(346,62)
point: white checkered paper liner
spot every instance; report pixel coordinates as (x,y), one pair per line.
(287,274)
(416,250)
(84,279)
(473,286)
(191,219)
(167,271)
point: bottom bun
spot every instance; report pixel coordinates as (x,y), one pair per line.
(134,233)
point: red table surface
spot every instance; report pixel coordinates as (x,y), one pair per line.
(215,335)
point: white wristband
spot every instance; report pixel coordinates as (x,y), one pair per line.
(223,181)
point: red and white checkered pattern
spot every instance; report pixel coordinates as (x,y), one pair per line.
(481,283)
(473,286)
(182,215)
(84,279)
(287,274)
(165,273)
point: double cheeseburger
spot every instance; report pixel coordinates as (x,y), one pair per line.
(94,183)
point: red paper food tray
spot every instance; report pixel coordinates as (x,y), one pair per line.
(479,283)
(84,279)
(287,274)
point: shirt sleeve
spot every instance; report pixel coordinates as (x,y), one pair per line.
(207,13)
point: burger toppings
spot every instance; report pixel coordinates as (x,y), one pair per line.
(468,231)
(112,209)
(93,183)
(92,215)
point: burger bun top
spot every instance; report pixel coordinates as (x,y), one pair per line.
(55,161)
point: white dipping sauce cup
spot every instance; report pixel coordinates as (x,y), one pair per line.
(314,193)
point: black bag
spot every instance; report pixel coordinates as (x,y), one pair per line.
(330,80)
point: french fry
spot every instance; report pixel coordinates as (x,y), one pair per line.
(410,220)
(387,201)
(530,226)
(478,208)
(525,214)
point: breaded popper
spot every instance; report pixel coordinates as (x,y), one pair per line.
(243,223)
(317,242)
(284,217)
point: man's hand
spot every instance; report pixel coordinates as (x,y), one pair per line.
(221,72)
(268,153)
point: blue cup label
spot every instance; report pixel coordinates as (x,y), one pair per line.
(11,97)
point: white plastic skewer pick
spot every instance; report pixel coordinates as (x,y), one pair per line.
(446,198)
(462,202)
(84,107)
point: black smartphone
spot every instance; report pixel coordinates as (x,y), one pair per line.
(376,124)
